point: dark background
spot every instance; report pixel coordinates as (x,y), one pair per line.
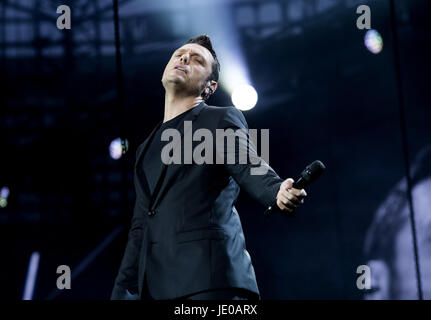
(322,94)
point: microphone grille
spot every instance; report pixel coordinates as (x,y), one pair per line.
(313,170)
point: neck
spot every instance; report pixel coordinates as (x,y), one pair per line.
(175,105)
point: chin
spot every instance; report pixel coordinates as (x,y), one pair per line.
(174,80)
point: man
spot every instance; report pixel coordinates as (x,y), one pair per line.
(388,244)
(186,239)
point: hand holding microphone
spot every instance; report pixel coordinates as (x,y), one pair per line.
(288,197)
(291,193)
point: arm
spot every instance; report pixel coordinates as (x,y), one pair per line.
(255,176)
(261,187)
(126,283)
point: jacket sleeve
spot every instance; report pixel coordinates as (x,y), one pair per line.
(255,176)
(126,282)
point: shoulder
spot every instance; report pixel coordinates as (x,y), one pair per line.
(216,110)
(229,114)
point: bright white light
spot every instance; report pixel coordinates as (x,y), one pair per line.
(244,97)
(373,41)
(116,149)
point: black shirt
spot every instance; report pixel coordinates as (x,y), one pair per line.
(152,163)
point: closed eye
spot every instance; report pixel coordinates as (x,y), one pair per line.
(199,60)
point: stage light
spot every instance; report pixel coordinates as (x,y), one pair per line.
(115,149)
(244,97)
(118,147)
(4,194)
(373,41)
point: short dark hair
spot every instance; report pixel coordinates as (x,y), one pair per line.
(205,41)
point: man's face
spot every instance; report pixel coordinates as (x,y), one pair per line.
(188,69)
(400,283)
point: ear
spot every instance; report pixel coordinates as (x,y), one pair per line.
(213,84)
(380,281)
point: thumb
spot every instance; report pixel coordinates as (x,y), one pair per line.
(288,183)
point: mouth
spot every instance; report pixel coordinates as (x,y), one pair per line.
(181,69)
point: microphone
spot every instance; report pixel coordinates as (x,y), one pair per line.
(309,175)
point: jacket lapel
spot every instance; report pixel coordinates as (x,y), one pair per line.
(161,181)
(142,149)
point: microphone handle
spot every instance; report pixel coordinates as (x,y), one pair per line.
(301,183)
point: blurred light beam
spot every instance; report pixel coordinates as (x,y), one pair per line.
(30,282)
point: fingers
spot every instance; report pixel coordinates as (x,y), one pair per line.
(283,207)
(296,196)
(288,197)
(287,184)
(299,193)
(287,202)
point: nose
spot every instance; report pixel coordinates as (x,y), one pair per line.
(185,58)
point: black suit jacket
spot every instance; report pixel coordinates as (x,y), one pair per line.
(187,235)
